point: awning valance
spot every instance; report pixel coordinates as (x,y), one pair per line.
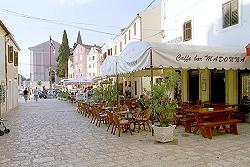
(137,56)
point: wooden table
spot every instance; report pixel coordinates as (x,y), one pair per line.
(210,114)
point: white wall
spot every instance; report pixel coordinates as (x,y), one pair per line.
(206,16)
(12,79)
(151,25)
(96,68)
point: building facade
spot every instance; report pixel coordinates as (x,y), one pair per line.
(84,60)
(8,70)
(146,26)
(94,62)
(222,23)
(40,61)
(78,61)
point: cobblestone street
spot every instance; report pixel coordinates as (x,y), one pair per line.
(51,133)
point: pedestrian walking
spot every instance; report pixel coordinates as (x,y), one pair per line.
(26,94)
(36,92)
(29,93)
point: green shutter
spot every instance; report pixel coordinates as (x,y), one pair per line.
(226,14)
(234,12)
(15,58)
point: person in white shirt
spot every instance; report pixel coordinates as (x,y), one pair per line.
(36,91)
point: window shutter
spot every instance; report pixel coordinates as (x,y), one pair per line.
(184,33)
(10,54)
(135,29)
(189,30)
(15,58)
(226,14)
(234,12)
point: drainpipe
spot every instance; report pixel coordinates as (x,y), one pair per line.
(6,77)
(140,27)
(151,86)
(141,40)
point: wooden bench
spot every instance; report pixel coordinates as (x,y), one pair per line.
(188,124)
(206,128)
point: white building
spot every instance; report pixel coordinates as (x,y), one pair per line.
(94,61)
(218,23)
(8,70)
(146,26)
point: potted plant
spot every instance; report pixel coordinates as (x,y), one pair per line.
(164,105)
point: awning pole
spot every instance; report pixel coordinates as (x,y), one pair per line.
(117,85)
(151,84)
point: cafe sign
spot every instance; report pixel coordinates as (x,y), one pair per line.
(208,58)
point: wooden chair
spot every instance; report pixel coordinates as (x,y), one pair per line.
(100,116)
(110,121)
(119,123)
(143,119)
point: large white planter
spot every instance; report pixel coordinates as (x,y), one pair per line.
(164,134)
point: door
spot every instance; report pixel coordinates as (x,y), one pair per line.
(193,84)
(218,86)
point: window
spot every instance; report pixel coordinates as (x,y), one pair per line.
(110,51)
(93,74)
(187,31)
(135,29)
(230,13)
(93,66)
(89,65)
(120,46)
(15,58)
(10,54)
(93,58)
(89,58)
(115,50)
(129,34)
(125,38)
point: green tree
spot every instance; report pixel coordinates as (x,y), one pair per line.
(39,83)
(63,56)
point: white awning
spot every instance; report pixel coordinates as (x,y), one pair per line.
(136,57)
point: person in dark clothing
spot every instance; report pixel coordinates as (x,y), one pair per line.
(26,94)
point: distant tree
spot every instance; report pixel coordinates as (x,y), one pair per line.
(63,56)
(39,83)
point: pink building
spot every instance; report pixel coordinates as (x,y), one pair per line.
(77,64)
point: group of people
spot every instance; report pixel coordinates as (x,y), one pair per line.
(27,93)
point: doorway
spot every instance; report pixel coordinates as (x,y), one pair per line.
(193,84)
(244,90)
(218,86)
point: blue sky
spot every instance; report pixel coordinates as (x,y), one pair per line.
(105,15)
